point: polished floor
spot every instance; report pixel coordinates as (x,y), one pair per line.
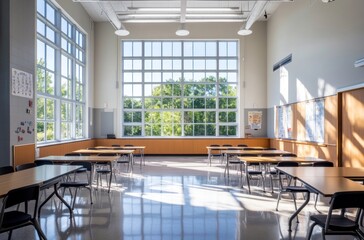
(174,198)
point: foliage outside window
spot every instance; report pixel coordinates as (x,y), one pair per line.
(179,88)
(61,50)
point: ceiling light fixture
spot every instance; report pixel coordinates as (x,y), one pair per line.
(327,1)
(122,32)
(244,32)
(182,31)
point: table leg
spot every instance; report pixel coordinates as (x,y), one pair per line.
(141,152)
(298,211)
(111,173)
(209,155)
(247,177)
(226,158)
(55,192)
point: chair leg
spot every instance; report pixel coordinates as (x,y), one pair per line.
(10,233)
(323,234)
(310,231)
(74,198)
(90,194)
(279,198)
(316,198)
(39,230)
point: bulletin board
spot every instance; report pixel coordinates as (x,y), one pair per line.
(308,116)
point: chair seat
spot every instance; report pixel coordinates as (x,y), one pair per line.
(74,184)
(81,170)
(234,161)
(296,189)
(103,171)
(122,161)
(15,218)
(337,223)
(254,172)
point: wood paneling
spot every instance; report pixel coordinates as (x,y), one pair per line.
(182,146)
(62,148)
(353,128)
(307,149)
(23,154)
(326,150)
(154,146)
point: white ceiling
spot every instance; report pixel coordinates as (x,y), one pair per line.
(118,12)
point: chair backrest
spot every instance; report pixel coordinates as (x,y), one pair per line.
(287,164)
(227,145)
(323,164)
(43,162)
(107,154)
(6,170)
(92,148)
(270,155)
(129,145)
(24,166)
(73,154)
(20,195)
(248,155)
(115,145)
(242,145)
(84,164)
(352,199)
(250,149)
(289,155)
(270,148)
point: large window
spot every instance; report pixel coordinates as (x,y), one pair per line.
(61,51)
(179,88)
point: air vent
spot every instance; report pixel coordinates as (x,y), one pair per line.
(283,62)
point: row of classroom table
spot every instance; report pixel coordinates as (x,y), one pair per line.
(323,180)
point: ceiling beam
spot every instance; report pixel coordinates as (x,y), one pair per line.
(183,11)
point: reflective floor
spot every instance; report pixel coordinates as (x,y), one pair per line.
(174,198)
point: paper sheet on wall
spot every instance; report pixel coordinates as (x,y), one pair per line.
(22,83)
(255,119)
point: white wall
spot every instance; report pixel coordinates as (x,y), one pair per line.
(324,40)
(252,54)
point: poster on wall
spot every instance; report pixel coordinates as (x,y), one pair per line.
(22,83)
(255,119)
(284,121)
(315,118)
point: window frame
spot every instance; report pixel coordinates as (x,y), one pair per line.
(146,66)
(61,50)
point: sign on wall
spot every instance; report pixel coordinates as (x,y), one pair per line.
(22,83)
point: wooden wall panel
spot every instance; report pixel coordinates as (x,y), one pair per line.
(62,148)
(353,128)
(300,119)
(331,119)
(182,146)
(23,154)
(324,151)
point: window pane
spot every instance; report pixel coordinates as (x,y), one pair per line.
(50,131)
(179,94)
(50,13)
(41,7)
